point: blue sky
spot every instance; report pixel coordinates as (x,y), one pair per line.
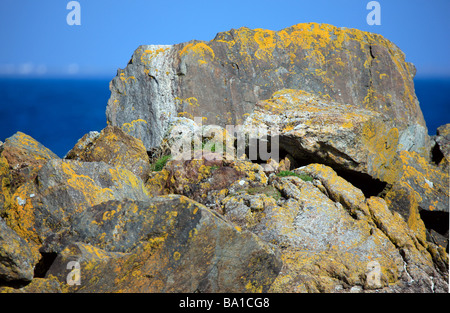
(36,40)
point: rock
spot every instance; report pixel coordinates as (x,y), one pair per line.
(271,166)
(187,140)
(441,149)
(82,145)
(16,259)
(360,144)
(322,246)
(332,237)
(37,285)
(185,177)
(63,188)
(223,79)
(181,246)
(420,273)
(373,276)
(207,178)
(346,137)
(114,147)
(284,165)
(421,189)
(181,138)
(142,100)
(338,189)
(5,183)
(25,157)
(363,210)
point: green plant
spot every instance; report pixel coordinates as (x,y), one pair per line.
(269,191)
(214,167)
(304,177)
(159,164)
(208,146)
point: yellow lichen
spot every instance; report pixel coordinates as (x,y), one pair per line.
(148,55)
(201,51)
(130,127)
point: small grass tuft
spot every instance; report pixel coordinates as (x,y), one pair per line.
(304,177)
(160,163)
(269,191)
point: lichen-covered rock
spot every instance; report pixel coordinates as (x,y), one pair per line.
(441,150)
(359,142)
(420,272)
(338,189)
(222,80)
(315,128)
(322,245)
(372,217)
(25,157)
(172,244)
(206,178)
(421,195)
(430,182)
(37,285)
(332,237)
(16,259)
(114,147)
(5,183)
(318,232)
(63,188)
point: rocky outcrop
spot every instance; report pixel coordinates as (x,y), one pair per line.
(105,218)
(350,202)
(258,233)
(223,79)
(62,188)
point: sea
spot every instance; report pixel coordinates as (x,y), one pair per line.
(58,112)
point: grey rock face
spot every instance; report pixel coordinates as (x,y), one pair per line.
(179,246)
(223,79)
(143,94)
(16,259)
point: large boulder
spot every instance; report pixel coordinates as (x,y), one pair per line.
(223,79)
(361,145)
(165,244)
(114,147)
(25,156)
(63,188)
(346,137)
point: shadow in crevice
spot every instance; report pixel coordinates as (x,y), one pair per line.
(44,264)
(437,224)
(300,157)
(436,154)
